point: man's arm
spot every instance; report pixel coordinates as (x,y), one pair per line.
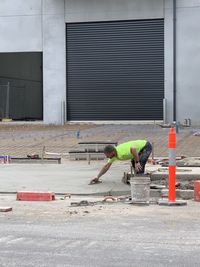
(102,172)
(136,158)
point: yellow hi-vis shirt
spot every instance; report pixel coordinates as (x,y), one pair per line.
(124,150)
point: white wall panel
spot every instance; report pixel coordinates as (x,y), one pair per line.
(95,10)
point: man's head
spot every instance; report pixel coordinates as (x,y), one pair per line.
(110,151)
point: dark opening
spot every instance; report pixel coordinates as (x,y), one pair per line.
(21,88)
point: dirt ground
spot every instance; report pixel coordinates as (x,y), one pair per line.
(10,127)
(61,210)
(23,139)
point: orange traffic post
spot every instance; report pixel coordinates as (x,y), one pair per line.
(172,165)
(172,173)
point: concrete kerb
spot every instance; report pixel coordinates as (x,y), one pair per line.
(184,174)
(165,202)
(181,177)
(106,193)
(154,193)
(182,194)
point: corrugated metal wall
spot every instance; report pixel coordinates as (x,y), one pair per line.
(115,70)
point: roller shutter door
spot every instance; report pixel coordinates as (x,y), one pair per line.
(115,70)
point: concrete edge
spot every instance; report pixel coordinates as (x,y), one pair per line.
(154,193)
(181,177)
(107,193)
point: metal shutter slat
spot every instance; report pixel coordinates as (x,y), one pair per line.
(115,70)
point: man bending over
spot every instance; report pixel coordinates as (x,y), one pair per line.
(138,151)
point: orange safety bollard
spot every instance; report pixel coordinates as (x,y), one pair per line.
(172,165)
(172,174)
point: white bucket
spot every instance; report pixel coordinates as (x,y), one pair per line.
(140,190)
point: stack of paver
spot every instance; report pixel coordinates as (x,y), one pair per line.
(90,150)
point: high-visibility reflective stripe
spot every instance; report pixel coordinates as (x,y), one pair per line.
(172,156)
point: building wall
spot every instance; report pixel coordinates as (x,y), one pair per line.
(39,25)
(112,10)
(54,60)
(187,57)
(188,60)
(95,10)
(20,26)
(168,54)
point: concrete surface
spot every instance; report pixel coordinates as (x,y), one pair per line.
(73,177)
(62,178)
(101,236)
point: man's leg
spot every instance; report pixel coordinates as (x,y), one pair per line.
(143,157)
(133,163)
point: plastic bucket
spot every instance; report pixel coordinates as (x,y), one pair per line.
(140,190)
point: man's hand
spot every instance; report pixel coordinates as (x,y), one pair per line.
(138,166)
(95,181)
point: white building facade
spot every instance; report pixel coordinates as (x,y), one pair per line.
(53,27)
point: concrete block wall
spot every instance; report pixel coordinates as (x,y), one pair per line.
(54,60)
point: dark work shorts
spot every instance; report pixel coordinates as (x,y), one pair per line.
(143,156)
